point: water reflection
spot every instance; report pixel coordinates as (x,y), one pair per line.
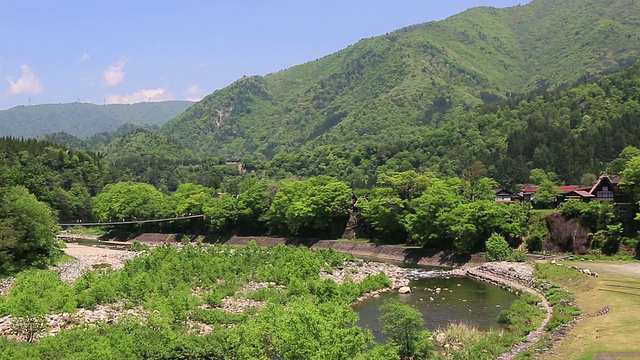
(460,300)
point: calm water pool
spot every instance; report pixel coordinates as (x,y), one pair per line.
(461,300)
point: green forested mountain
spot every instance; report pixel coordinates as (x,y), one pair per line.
(82,120)
(406,83)
(98,140)
(144,144)
(574,130)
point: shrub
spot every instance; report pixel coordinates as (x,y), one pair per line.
(573,209)
(517,256)
(215,316)
(497,248)
(522,316)
(138,246)
(404,325)
(374,282)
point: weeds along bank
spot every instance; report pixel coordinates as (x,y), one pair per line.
(287,302)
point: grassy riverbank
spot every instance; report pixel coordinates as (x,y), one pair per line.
(615,332)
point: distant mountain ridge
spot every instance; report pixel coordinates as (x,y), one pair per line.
(383,88)
(82,120)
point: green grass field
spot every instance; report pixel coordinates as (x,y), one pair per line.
(614,333)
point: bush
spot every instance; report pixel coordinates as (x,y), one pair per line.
(522,317)
(573,209)
(404,325)
(537,233)
(517,256)
(374,282)
(215,317)
(138,246)
(497,248)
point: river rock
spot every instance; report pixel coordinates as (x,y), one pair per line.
(404,290)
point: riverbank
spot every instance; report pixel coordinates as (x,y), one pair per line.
(391,253)
(519,277)
(385,253)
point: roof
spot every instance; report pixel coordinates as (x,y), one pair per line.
(234,159)
(529,189)
(602,179)
(568,188)
(501,190)
(584,194)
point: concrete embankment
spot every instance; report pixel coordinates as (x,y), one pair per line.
(391,253)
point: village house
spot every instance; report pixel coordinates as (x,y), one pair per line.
(503,195)
(605,189)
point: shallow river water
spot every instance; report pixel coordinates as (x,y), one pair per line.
(460,300)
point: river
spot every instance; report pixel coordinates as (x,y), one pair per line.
(460,300)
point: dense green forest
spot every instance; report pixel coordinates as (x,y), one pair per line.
(426,208)
(571,130)
(383,90)
(63,178)
(82,120)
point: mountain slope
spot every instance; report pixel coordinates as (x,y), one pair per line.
(383,88)
(576,131)
(82,120)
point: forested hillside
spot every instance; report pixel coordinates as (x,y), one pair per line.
(414,80)
(64,179)
(572,130)
(82,120)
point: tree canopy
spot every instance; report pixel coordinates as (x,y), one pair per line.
(28,230)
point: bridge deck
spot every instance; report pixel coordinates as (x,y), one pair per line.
(130,222)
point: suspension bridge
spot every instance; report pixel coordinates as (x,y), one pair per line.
(129,222)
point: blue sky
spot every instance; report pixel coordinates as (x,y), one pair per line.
(115,51)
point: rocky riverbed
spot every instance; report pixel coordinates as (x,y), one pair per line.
(5,285)
(518,275)
(87,257)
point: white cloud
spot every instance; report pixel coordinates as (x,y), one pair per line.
(84,57)
(114,75)
(194,90)
(27,84)
(151,95)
